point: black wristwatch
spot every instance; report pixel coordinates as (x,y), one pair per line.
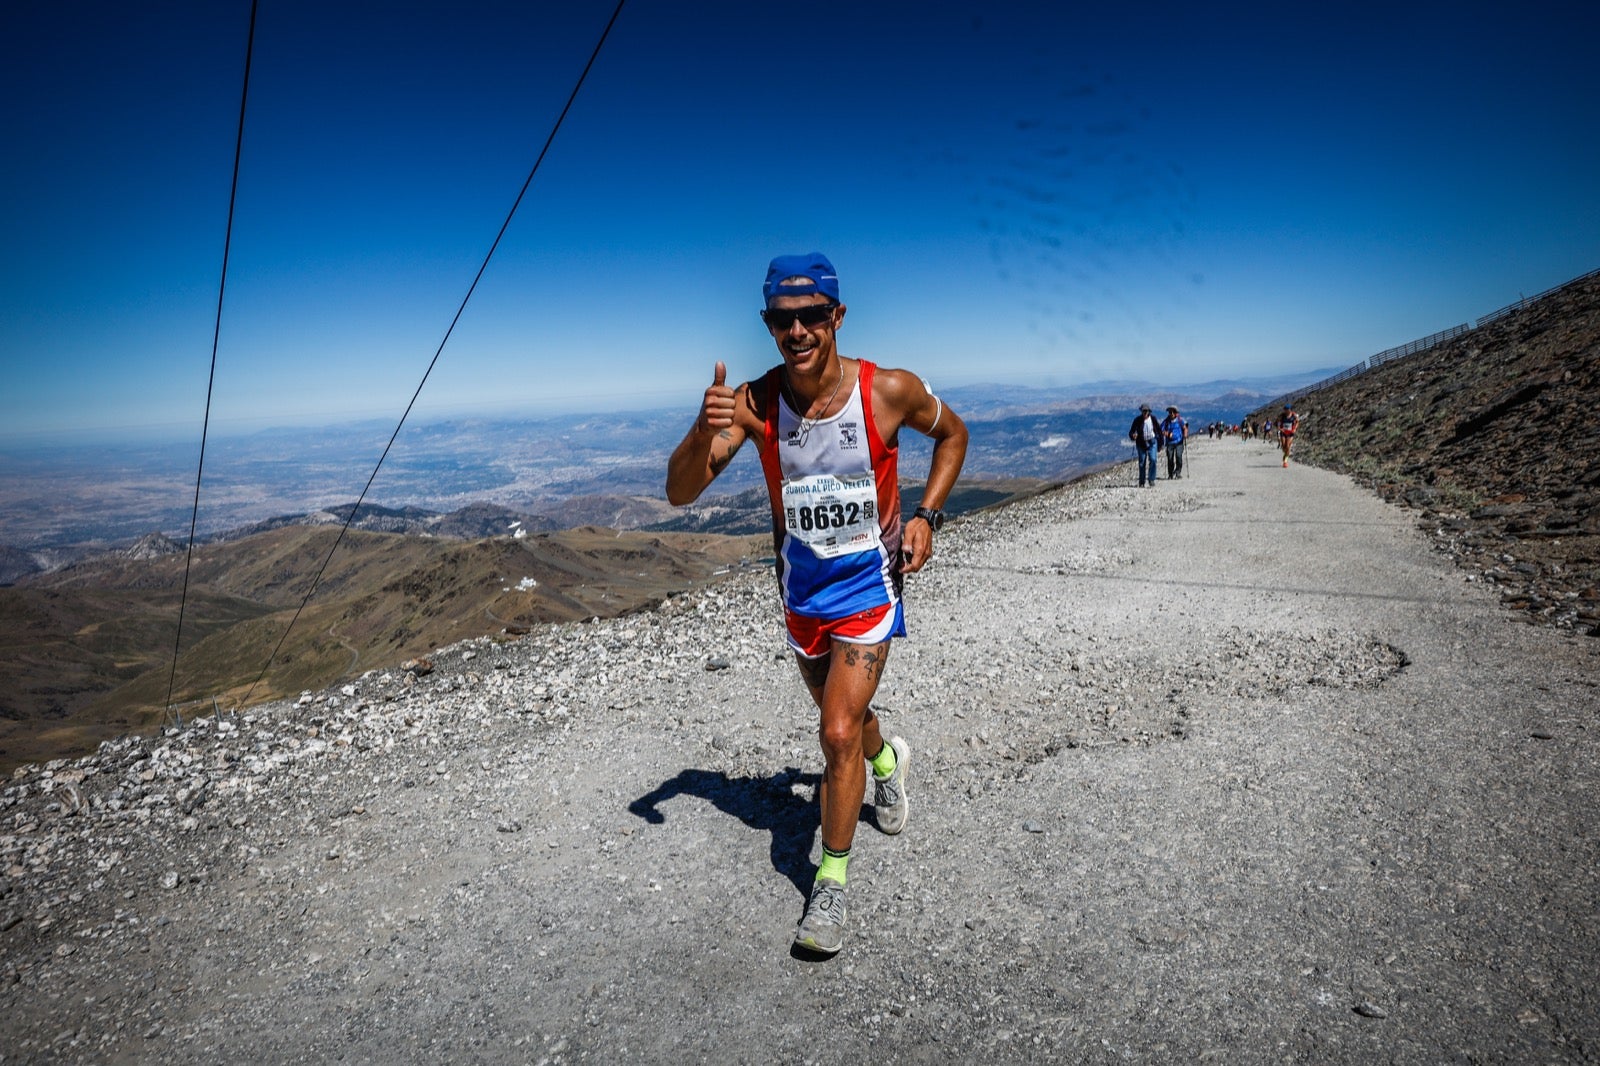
(934,518)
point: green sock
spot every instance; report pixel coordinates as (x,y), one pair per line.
(884,762)
(833,864)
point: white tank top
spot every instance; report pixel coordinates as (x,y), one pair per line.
(830,497)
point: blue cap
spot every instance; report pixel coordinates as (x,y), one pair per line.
(812,265)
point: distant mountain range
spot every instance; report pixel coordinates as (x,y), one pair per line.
(475,477)
(1005,401)
(505,524)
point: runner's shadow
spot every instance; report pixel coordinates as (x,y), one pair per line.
(768,803)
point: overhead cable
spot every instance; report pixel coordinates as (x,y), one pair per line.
(216,334)
(350,519)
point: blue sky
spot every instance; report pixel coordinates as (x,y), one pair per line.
(1172,193)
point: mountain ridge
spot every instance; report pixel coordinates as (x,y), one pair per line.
(550,473)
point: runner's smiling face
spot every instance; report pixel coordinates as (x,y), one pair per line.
(806,350)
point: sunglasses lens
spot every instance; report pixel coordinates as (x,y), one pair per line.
(807,316)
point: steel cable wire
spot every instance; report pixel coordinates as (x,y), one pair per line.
(350,519)
(216,335)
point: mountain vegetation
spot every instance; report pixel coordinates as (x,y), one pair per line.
(89,647)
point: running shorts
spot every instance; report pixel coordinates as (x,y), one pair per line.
(813,637)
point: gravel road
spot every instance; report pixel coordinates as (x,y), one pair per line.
(1233,768)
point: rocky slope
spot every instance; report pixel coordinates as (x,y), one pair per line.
(1188,789)
(89,647)
(1489,437)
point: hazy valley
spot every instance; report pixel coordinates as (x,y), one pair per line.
(61,501)
(484,527)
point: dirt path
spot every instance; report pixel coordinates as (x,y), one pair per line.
(355,652)
(1232,768)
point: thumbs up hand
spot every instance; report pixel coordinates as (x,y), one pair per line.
(716,411)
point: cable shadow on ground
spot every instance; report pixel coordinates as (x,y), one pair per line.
(1261,586)
(1195,517)
(765,803)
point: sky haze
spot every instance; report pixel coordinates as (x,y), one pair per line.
(1165,192)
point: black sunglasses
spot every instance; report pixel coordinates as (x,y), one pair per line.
(809,317)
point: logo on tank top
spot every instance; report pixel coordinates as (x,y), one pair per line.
(848,435)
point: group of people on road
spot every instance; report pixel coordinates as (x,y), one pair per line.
(1151,438)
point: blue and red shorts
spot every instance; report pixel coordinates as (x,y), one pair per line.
(813,637)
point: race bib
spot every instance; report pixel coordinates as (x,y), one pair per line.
(832,516)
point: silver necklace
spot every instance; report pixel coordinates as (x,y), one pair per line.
(804,431)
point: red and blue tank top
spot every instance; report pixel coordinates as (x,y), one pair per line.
(835,494)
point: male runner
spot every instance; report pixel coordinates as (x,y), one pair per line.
(1288,422)
(827,429)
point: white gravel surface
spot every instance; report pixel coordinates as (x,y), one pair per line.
(1232,768)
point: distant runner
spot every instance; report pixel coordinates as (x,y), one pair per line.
(827,429)
(1287,423)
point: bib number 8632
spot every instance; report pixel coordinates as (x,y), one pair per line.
(829,515)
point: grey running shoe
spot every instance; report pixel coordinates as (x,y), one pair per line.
(822,929)
(889,793)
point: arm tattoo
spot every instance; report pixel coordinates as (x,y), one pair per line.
(719,463)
